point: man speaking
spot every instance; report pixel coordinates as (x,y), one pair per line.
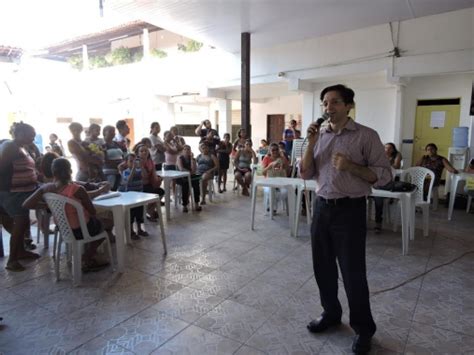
(346,159)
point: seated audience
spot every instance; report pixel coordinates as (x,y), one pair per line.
(275,165)
(264,148)
(436,163)
(186,162)
(63,185)
(207,165)
(243,166)
(132,180)
(151,181)
(395,158)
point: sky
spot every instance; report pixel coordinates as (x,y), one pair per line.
(33,24)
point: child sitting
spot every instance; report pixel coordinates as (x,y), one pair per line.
(132,181)
(63,185)
(186,162)
(151,181)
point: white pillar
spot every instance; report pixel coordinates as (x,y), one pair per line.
(85,58)
(309,108)
(225,117)
(397,139)
(146,44)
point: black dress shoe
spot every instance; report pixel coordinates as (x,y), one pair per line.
(322,324)
(361,344)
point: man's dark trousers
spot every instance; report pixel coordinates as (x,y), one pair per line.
(339,232)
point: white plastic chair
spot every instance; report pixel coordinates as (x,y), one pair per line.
(308,189)
(57,205)
(237,187)
(42,219)
(299,147)
(272,199)
(417,175)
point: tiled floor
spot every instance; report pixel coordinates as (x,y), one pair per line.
(224,289)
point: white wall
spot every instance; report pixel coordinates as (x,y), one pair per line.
(375,108)
(430,45)
(286,105)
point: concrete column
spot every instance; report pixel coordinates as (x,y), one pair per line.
(225,117)
(85,58)
(146,44)
(399,115)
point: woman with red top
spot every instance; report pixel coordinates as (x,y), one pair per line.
(151,181)
(275,164)
(18,180)
(63,185)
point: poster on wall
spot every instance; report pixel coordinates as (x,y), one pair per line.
(437,119)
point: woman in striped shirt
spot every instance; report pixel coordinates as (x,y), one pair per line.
(18,180)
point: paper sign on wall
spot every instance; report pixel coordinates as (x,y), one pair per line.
(437,119)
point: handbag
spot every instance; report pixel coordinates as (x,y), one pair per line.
(397,186)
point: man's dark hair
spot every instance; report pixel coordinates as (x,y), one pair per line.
(121,124)
(346,94)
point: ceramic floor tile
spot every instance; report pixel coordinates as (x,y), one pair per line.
(70,300)
(100,346)
(247,350)
(424,339)
(281,336)
(211,258)
(19,322)
(195,340)
(266,297)
(145,331)
(399,303)
(183,272)
(10,300)
(450,316)
(246,266)
(217,255)
(41,287)
(232,320)
(188,304)
(220,283)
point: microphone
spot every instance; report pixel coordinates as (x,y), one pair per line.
(321,119)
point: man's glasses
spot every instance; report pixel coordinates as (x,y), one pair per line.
(332,102)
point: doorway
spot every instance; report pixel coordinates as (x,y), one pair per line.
(434,122)
(275,128)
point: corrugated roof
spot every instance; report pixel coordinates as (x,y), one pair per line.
(97,42)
